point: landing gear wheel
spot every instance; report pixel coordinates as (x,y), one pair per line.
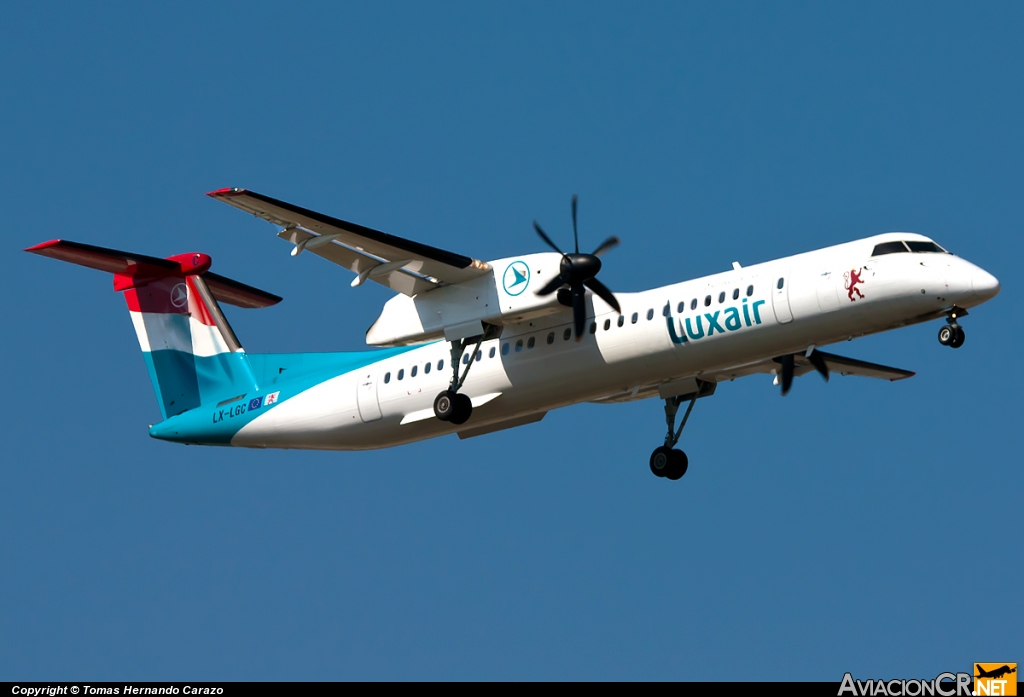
(678,463)
(958,337)
(946,335)
(463,409)
(661,460)
(453,407)
(444,405)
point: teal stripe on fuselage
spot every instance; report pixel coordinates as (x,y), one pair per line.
(216,423)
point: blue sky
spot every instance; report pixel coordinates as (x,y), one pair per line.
(856,526)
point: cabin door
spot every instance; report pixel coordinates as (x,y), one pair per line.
(366,397)
(780,298)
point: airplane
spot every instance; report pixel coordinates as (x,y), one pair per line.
(995,673)
(472,347)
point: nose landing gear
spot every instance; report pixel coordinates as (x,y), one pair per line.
(953,334)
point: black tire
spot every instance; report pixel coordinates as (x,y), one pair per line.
(661,460)
(444,405)
(958,338)
(463,409)
(946,335)
(677,465)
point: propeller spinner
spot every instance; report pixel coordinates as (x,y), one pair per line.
(578,270)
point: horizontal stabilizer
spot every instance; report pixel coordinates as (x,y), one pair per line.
(143,268)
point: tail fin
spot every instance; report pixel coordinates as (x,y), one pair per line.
(190,349)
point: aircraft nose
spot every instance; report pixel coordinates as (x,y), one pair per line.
(984,284)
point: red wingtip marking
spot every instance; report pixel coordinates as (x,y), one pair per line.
(43,245)
(229,191)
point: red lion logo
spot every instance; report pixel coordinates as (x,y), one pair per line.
(853,279)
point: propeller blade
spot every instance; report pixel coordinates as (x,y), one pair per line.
(575,236)
(601,291)
(579,309)
(547,239)
(552,285)
(819,363)
(608,244)
(787,372)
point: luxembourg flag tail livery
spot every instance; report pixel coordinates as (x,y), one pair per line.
(192,355)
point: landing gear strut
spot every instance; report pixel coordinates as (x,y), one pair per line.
(451,405)
(953,334)
(666,461)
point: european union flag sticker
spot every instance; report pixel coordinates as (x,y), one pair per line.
(255,403)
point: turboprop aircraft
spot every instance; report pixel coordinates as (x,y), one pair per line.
(472,347)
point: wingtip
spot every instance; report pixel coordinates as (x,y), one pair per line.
(228,191)
(42,245)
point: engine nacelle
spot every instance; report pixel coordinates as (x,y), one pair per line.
(507,294)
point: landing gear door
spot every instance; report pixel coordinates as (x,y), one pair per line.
(780,298)
(366,397)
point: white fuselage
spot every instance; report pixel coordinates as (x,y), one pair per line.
(709,328)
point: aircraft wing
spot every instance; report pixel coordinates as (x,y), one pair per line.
(836,364)
(405,266)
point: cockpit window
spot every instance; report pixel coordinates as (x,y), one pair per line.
(888,248)
(925,247)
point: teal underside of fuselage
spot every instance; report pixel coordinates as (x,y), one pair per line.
(230,389)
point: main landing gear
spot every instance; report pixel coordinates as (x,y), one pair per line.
(451,405)
(666,461)
(953,334)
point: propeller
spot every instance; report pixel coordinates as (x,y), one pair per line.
(578,271)
(788,364)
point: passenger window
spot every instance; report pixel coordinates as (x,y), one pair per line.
(925,247)
(782,282)
(504,349)
(667,310)
(479,356)
(750,291)
(531,342)
(412,373)
(593,327)
(607,324)
(401,373)
(736,294)
(622,320)
(682,306)
(551,337)
(426,369)
(888,248)
(693,304)
(635,317)
(707,301)
(650,314)
(519,346)
(721,297)
(387,378)
(465,359)
(566,334)
(492,352)
(440,364)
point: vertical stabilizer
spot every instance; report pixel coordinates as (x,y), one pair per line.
(191,352)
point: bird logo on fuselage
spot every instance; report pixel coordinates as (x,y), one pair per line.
(516,277)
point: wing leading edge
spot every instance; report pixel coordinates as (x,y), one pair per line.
(405,266)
